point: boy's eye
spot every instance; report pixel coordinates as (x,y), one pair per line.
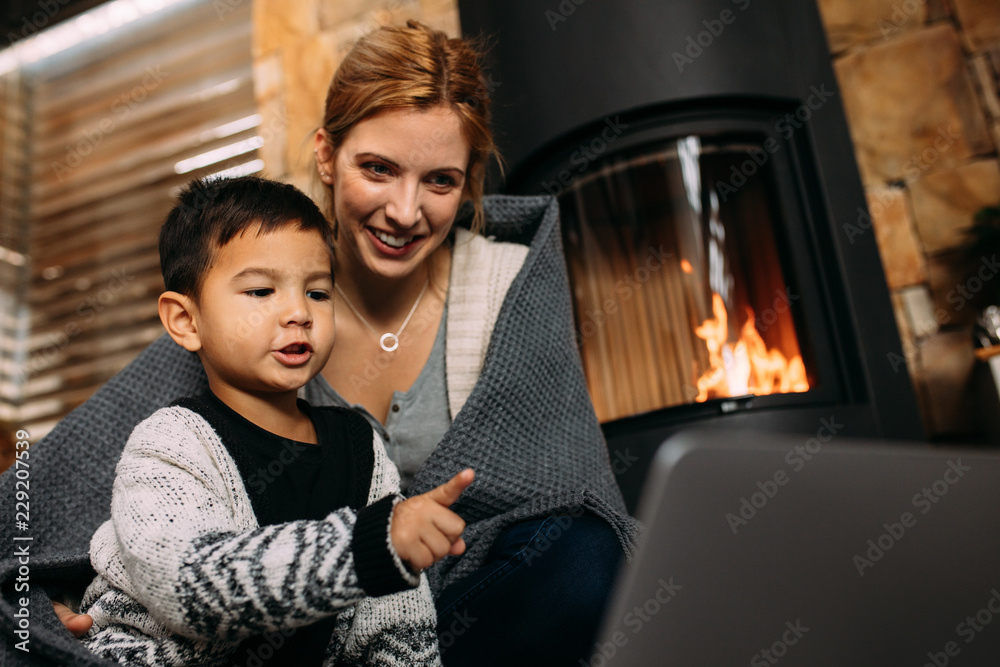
(260,292)
(318,295)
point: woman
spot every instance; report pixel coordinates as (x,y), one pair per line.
(458,348)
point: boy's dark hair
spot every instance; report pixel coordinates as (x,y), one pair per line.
(210,212)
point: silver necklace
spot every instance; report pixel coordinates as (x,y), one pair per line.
(393,338)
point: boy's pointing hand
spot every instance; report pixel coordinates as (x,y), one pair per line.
(424,530)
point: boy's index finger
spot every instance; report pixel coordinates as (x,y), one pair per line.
(449,492)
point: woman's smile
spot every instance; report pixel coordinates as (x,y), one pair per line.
(392,245)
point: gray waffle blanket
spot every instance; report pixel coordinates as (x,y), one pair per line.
(527,428)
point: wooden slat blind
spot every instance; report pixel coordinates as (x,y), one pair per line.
(107,127)
(13,260)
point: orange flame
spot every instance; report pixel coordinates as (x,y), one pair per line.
(747,367)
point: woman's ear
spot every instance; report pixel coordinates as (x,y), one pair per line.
(179,315)
(324,157)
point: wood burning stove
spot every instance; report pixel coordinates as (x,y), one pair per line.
(706,308)
(710,208)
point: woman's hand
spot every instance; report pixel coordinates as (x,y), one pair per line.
(78,624)
(424,530)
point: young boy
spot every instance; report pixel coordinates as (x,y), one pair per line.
(244,514)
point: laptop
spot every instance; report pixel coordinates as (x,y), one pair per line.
(764,549)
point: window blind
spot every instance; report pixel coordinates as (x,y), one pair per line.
(13,258)
(115,127)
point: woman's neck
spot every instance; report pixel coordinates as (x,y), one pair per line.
(385,301)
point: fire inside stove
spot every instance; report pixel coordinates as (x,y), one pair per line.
(746,366)
(680,295)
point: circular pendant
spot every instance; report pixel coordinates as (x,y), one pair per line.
(394,340)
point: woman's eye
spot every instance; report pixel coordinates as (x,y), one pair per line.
(318,295)
(378,168)
(442,180)
(260,292)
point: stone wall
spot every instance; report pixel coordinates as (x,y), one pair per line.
(919,80)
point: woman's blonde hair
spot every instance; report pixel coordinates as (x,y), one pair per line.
(415,67)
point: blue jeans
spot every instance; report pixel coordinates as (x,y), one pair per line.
(538,598)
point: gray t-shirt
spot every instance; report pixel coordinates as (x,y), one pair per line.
(418,418)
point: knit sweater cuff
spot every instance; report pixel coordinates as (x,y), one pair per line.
(380,570)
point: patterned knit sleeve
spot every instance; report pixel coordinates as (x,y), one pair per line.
(396,629)
(195,558)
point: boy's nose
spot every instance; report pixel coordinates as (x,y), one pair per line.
(295,311)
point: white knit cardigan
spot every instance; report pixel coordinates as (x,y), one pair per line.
(481,273)
(185,571)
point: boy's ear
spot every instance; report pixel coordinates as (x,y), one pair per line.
(178,313)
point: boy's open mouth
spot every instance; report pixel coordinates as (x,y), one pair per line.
(294,354)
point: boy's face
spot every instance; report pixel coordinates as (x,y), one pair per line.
(264,314)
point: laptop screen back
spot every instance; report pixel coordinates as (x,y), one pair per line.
(765,549)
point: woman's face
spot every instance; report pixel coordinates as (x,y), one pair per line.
(397,182)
